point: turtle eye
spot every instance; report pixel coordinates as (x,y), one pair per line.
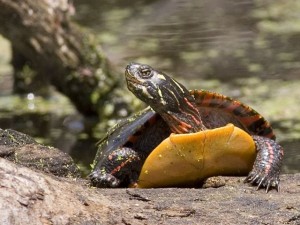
(145,73)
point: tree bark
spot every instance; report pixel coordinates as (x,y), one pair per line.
(46,41)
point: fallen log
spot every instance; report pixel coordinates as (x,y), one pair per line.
(48,48)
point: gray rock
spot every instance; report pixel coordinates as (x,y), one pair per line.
(33,197)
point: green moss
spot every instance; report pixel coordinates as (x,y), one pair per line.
(15,104)
(5,56)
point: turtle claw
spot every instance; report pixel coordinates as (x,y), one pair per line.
(266,168)
(268,187)
(103,180)
(263,180)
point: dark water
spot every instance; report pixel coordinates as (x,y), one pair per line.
(223,40)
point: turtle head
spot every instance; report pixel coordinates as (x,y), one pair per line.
(153,87)
(165,95)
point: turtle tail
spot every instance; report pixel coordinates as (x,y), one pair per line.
(266,169)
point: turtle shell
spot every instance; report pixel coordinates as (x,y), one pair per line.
(218,110)
(123,133)
(186,159)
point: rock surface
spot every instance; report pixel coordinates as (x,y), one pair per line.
(33,197)
(24,150)
(39,185)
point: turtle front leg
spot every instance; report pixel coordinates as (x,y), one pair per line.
(116,169)
(266,169)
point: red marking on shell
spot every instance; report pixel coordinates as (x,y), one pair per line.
(249,119)
(246,115)
(231,107)
(206,100)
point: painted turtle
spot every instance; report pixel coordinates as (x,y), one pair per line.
(174,109)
